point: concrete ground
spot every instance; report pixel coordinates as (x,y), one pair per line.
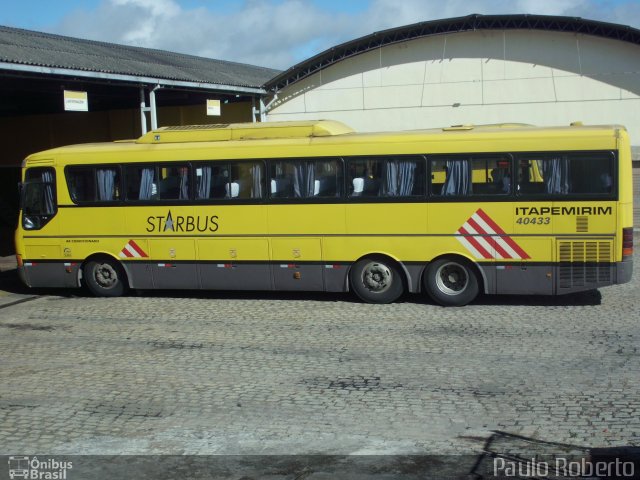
(278,373)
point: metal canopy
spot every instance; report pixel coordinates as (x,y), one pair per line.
(38,56)
(451,25)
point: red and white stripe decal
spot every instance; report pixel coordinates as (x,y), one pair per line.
(485,239)
(132,250)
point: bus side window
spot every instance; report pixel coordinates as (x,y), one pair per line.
(174,183)
(452,177)
(82,184)
(327,178)
(142,183)
(364,179)
(471,175)
(402,177)
(305,178)
(567,174)
(93,184)
(281,179)
(246,181)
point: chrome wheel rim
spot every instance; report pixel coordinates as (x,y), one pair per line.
(376,277)
(105,275)
(452,278)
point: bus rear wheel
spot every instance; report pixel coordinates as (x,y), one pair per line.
(104,278)
(451,282)
(376,280)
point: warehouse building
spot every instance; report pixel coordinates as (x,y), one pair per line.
(58,90)
(478,69)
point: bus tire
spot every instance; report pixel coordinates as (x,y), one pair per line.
(104,277)
(451,282)
(376,280)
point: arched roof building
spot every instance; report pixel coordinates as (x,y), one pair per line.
(480,69)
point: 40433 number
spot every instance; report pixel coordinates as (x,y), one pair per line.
(533,220)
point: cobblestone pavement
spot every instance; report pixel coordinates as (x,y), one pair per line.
(263,373)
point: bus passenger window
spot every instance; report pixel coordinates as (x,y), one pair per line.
(211,180)
(246,181)
(451,177)
(364,177)
(93,184)
(174,183)
(108,181)
(82,184)
(386,176)
(474,175)
(566,174)
(402,177)
(305,178)
(142,183)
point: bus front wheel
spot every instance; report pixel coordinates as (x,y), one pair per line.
(104,278)
(451,282)
(376,280)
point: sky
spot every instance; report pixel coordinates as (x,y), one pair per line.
(270,33)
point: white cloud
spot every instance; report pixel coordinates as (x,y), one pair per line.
(279,34)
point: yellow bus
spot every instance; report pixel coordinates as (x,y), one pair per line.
(315,206)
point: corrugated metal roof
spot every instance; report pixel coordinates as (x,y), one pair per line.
(451,25)
(28,47)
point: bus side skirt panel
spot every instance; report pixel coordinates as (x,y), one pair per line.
(488,273)
(235,276)
(139,275)
(336,278)
(45,274)
(524,279)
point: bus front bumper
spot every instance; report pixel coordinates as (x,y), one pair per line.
(22,275)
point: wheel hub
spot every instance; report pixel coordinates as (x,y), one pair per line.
(452,278)
(376,277)
(105,275)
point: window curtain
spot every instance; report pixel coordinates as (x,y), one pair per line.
(184,183)
(106,184)
(304,178)
(458,181)
(203,174)
(399,178)
(256,187)
(555,173)
(146,183)
(49,200)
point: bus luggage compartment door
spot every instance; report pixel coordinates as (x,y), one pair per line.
(174,264)
(234,264)
(297,264)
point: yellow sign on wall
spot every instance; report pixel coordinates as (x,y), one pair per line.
(76,101)
(213,108)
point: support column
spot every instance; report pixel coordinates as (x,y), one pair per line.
(143,110)
(154,112)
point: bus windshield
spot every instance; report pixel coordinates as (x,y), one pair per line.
(38,202)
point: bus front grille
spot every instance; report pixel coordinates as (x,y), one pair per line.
(584,263)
